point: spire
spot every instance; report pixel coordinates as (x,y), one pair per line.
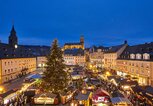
(13,40)
(13,32)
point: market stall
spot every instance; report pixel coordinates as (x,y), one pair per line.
(118,99)
(45,98)
(83,98)
(101,97)
(121,101)
(67,95)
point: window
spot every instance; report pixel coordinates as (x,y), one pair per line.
(132,56)
(147,66)
(142,65)
(146,56)
(132,64)
(8,70)
(138,56)
(137,71)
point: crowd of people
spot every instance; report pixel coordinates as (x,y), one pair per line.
(18,100)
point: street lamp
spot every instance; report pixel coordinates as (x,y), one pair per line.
(1,89)
(108,73)
(90,66)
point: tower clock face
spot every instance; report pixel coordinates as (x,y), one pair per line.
(16,46)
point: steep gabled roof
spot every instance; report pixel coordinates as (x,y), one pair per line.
(135,49)
(114,49)
(72,44)
(74,52)
(22,51)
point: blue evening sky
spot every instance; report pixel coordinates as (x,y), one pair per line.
(102,22)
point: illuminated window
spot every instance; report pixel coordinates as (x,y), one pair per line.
(132,56)
(146,56)
(138,56)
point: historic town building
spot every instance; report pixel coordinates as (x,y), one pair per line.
(17,60)
(137,61)
(112,54)
(74,53)
(96,56)
(79,45)
(74,57)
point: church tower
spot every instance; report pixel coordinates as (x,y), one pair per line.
(82,41)
(13,40)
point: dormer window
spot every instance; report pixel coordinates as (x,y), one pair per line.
(146,56)
(132,56)
(138,56)
(99,50)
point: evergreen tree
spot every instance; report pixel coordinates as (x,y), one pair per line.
(55,79)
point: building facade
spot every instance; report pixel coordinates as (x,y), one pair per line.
(79,45)
(74,57)
(41,61)
(110,56)
(96,56)
(16,67)
(137,61)
(18,60)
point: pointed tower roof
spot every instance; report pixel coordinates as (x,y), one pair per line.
(13,32)
(13,29)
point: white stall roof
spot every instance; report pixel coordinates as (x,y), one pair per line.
(119,100)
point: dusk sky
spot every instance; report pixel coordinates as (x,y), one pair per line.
(102,22)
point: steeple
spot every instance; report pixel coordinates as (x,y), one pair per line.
(13,30)
(13,40)
(82,39)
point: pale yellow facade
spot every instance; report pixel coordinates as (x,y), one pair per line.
(74,46)
(143,70)
(79,45)
(110,58)
(41,61)
(74,60)
(12,68)
(97,58)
